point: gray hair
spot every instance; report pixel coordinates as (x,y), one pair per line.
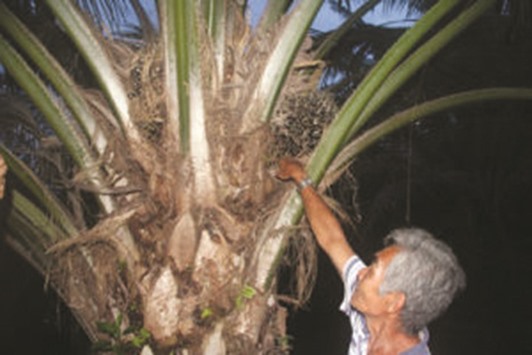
(426,271)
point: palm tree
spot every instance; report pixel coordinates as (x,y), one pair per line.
(167,225)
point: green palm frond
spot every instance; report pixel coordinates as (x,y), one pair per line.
(348,119)
(276,69)
(426,109)
(89,45)
(54,72)
(41,193)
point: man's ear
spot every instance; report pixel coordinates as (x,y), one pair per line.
(395,302)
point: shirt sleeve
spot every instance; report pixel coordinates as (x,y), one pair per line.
(350,275)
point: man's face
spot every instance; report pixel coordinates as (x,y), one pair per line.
(367,298)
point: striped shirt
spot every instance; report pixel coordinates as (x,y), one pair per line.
(360,336)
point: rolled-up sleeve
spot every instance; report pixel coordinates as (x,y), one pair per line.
(350,274)
(360,334)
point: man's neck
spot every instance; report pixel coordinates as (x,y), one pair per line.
(387,337)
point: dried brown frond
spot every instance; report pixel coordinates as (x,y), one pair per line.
(16,115)
(302,254)
(104,231)
(340,212)
(87,277)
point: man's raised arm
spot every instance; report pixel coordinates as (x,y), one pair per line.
(324,224)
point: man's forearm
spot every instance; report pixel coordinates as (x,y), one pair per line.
(326,228)
(324,224)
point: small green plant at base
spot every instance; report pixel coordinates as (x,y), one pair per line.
(122,266)
(245,294)
(206,313)
(120,342)
(284,342)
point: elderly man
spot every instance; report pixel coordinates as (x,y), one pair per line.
(390,302)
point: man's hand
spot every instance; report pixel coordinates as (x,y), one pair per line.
(3,170)
(291,169)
